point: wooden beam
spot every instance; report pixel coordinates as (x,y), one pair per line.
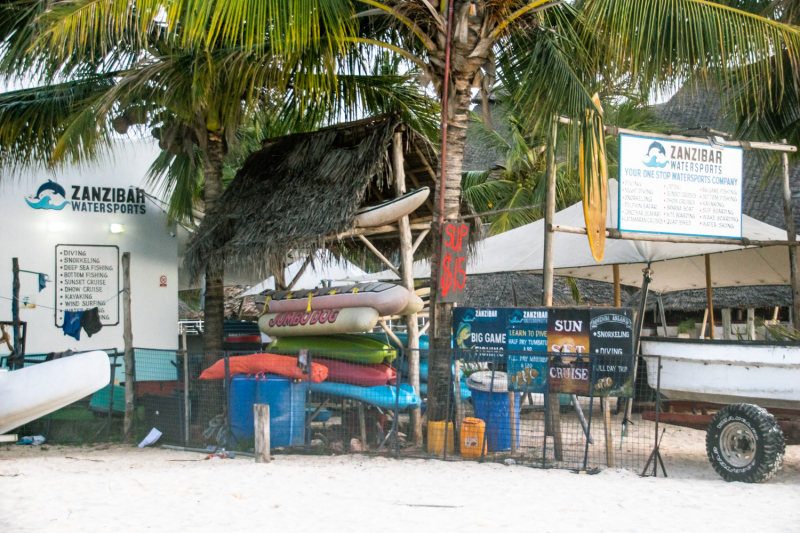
(379,255)
(416,183)
(709,296)
(391,228)
(127,337)
(617,287)
(751,324)
(791,235)
(419,240)
(613,130)
(262,436)
(296,277)
(424,329)
(653,237)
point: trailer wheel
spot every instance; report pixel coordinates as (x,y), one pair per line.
(744,443)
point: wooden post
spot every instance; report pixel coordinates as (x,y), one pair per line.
(459,407)
(705,321)
(362,426)
(185,386)
(617,288)
(15,308)
(127,337)
(751,323)
(549,215)
(791,236)
(709,297)
(554,424)
(261,422)
(407,280)
(726,324)
(604,404)
(512,418)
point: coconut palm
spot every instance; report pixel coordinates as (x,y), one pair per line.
(199,98)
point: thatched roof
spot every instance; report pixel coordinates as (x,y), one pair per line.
(497,290)
(723,298)
(236,308)
(300,191)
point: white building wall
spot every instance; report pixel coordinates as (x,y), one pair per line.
(27,233)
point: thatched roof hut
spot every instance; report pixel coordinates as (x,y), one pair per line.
(301,192)
(499,290)
(723,297)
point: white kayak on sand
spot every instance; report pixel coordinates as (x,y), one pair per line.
(726,371)
(388,212)
(35,391)
(386,298)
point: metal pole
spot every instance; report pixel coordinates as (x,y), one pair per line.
(549,215)
(709,296)
(589,422)
(186,416)
(791,236)
(658,411)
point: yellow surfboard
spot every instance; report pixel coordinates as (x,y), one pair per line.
(594,178)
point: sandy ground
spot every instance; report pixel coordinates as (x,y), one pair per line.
(119,488)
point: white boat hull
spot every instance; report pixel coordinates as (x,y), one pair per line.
(388,212)
(33,392)
(726,372)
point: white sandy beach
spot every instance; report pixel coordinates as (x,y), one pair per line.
(120,488)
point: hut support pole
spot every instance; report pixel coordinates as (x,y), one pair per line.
(407,278)
(709,297)
(705,321)
(549,215)
(127,337)
(418,241)
(751,323)
(547,292)
(791,236)
(617,287)
(726,324)
(379,255)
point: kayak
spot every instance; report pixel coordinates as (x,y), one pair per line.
(264,363)
(384,396)
(389,211)
(386,298)
(361,375)
(32,392)
(320,322)
(354,348)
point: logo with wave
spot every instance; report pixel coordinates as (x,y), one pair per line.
(47,197)
(656,156)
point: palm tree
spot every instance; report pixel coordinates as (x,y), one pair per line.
(199,97)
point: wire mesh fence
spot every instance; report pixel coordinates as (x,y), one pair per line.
(575,411)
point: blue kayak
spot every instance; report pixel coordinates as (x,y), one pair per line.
(382,396)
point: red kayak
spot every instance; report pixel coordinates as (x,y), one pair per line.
(361,375)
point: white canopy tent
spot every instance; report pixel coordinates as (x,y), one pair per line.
(676,266)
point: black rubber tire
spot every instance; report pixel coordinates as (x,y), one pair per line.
(770,445)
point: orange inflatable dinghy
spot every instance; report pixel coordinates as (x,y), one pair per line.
(264,363)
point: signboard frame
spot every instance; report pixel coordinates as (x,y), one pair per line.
(690,143)
(55,298)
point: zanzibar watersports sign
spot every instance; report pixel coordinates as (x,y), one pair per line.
(83,198)
(678,187)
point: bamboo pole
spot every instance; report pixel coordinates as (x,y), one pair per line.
(418,241)
(407,279)
(709,296)
(705,321)
(261,423)
(127,337)
(617,288)
(651,237)
(751,323)
(791,235)
(15,310)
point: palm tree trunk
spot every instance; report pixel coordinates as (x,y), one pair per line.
(442,317)
(214,311)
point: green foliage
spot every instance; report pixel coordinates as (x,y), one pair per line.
(687,326)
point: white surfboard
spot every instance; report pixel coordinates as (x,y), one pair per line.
(388,212)
(35,391)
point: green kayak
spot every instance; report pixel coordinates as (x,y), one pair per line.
(354,348)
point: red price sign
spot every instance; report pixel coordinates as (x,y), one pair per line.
(453,270)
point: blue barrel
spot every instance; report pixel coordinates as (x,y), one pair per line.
(498,429)
(243,394)
(287,408)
